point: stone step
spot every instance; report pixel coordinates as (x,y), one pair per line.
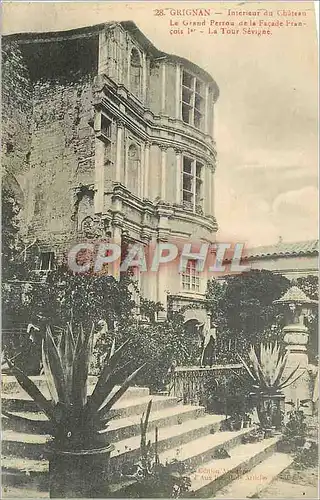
(25,473)
(119,428)
(32,446)
(208,479)
(198,451)
(124,428)
(123,408)
(14,492)
(249,485)
(20,444)
(10,387)
(193,454)
(37,423)
(212,476)
(169,438)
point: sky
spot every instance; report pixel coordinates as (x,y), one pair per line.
(266,117)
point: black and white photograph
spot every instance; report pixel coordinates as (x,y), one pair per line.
(160,250)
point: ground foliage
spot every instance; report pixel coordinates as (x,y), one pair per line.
(242,307)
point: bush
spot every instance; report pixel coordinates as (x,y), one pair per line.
(160,344)
(164,481)
(295,431)
(229,394)
(307,455)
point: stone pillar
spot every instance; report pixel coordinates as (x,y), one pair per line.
(146,170)
(119,150)
(144,77)
(163,172)
(99,167)
(162,285)
(116,239)
(178,91)
(163,276)
(163,88)
(295,336)
(211,172)
(296,340)
(206,110)
(178,176)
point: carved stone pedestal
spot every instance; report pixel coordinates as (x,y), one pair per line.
(296,339)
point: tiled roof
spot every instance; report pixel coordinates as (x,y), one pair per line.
(283,249)
(294,294)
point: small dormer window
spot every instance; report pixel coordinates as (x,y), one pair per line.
(135,72)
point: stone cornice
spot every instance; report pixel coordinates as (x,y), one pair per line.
(154,123)
(195,297)
(162,208)
(206,221)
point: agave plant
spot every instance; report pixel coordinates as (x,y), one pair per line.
(267,372)
(78,421)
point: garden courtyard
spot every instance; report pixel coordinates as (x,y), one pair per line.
(101,399)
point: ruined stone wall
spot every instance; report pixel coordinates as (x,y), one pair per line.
(16,113)
(62,155)
(47,128)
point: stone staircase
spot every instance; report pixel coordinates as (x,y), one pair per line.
(185,433)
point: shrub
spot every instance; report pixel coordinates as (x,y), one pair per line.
(229,394)
(307,455)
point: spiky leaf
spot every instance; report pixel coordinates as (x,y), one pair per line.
(289,380)
(115,397)
(113,348)
(112,381)
(33,391)
(47,371)
(98,395)
(82,357)
(55,367)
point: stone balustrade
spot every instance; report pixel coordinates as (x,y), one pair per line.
(188,382)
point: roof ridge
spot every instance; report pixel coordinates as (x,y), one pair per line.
(305,247)
(280,243)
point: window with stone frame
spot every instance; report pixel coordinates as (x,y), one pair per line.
(46,261)
(105,127)
(192,100)
(190,278)
(192,184)
(135,72)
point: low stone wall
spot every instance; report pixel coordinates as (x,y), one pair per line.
(188,382)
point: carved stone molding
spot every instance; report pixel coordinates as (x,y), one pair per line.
(146,234)
(178,151)
(117,220)
(120,122)
(93,227)
(212,167)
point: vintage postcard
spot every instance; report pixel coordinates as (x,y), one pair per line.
(159,250)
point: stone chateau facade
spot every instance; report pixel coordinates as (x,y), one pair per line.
(105,136)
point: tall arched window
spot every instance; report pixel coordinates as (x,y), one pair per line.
(135,72)
(133,169)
